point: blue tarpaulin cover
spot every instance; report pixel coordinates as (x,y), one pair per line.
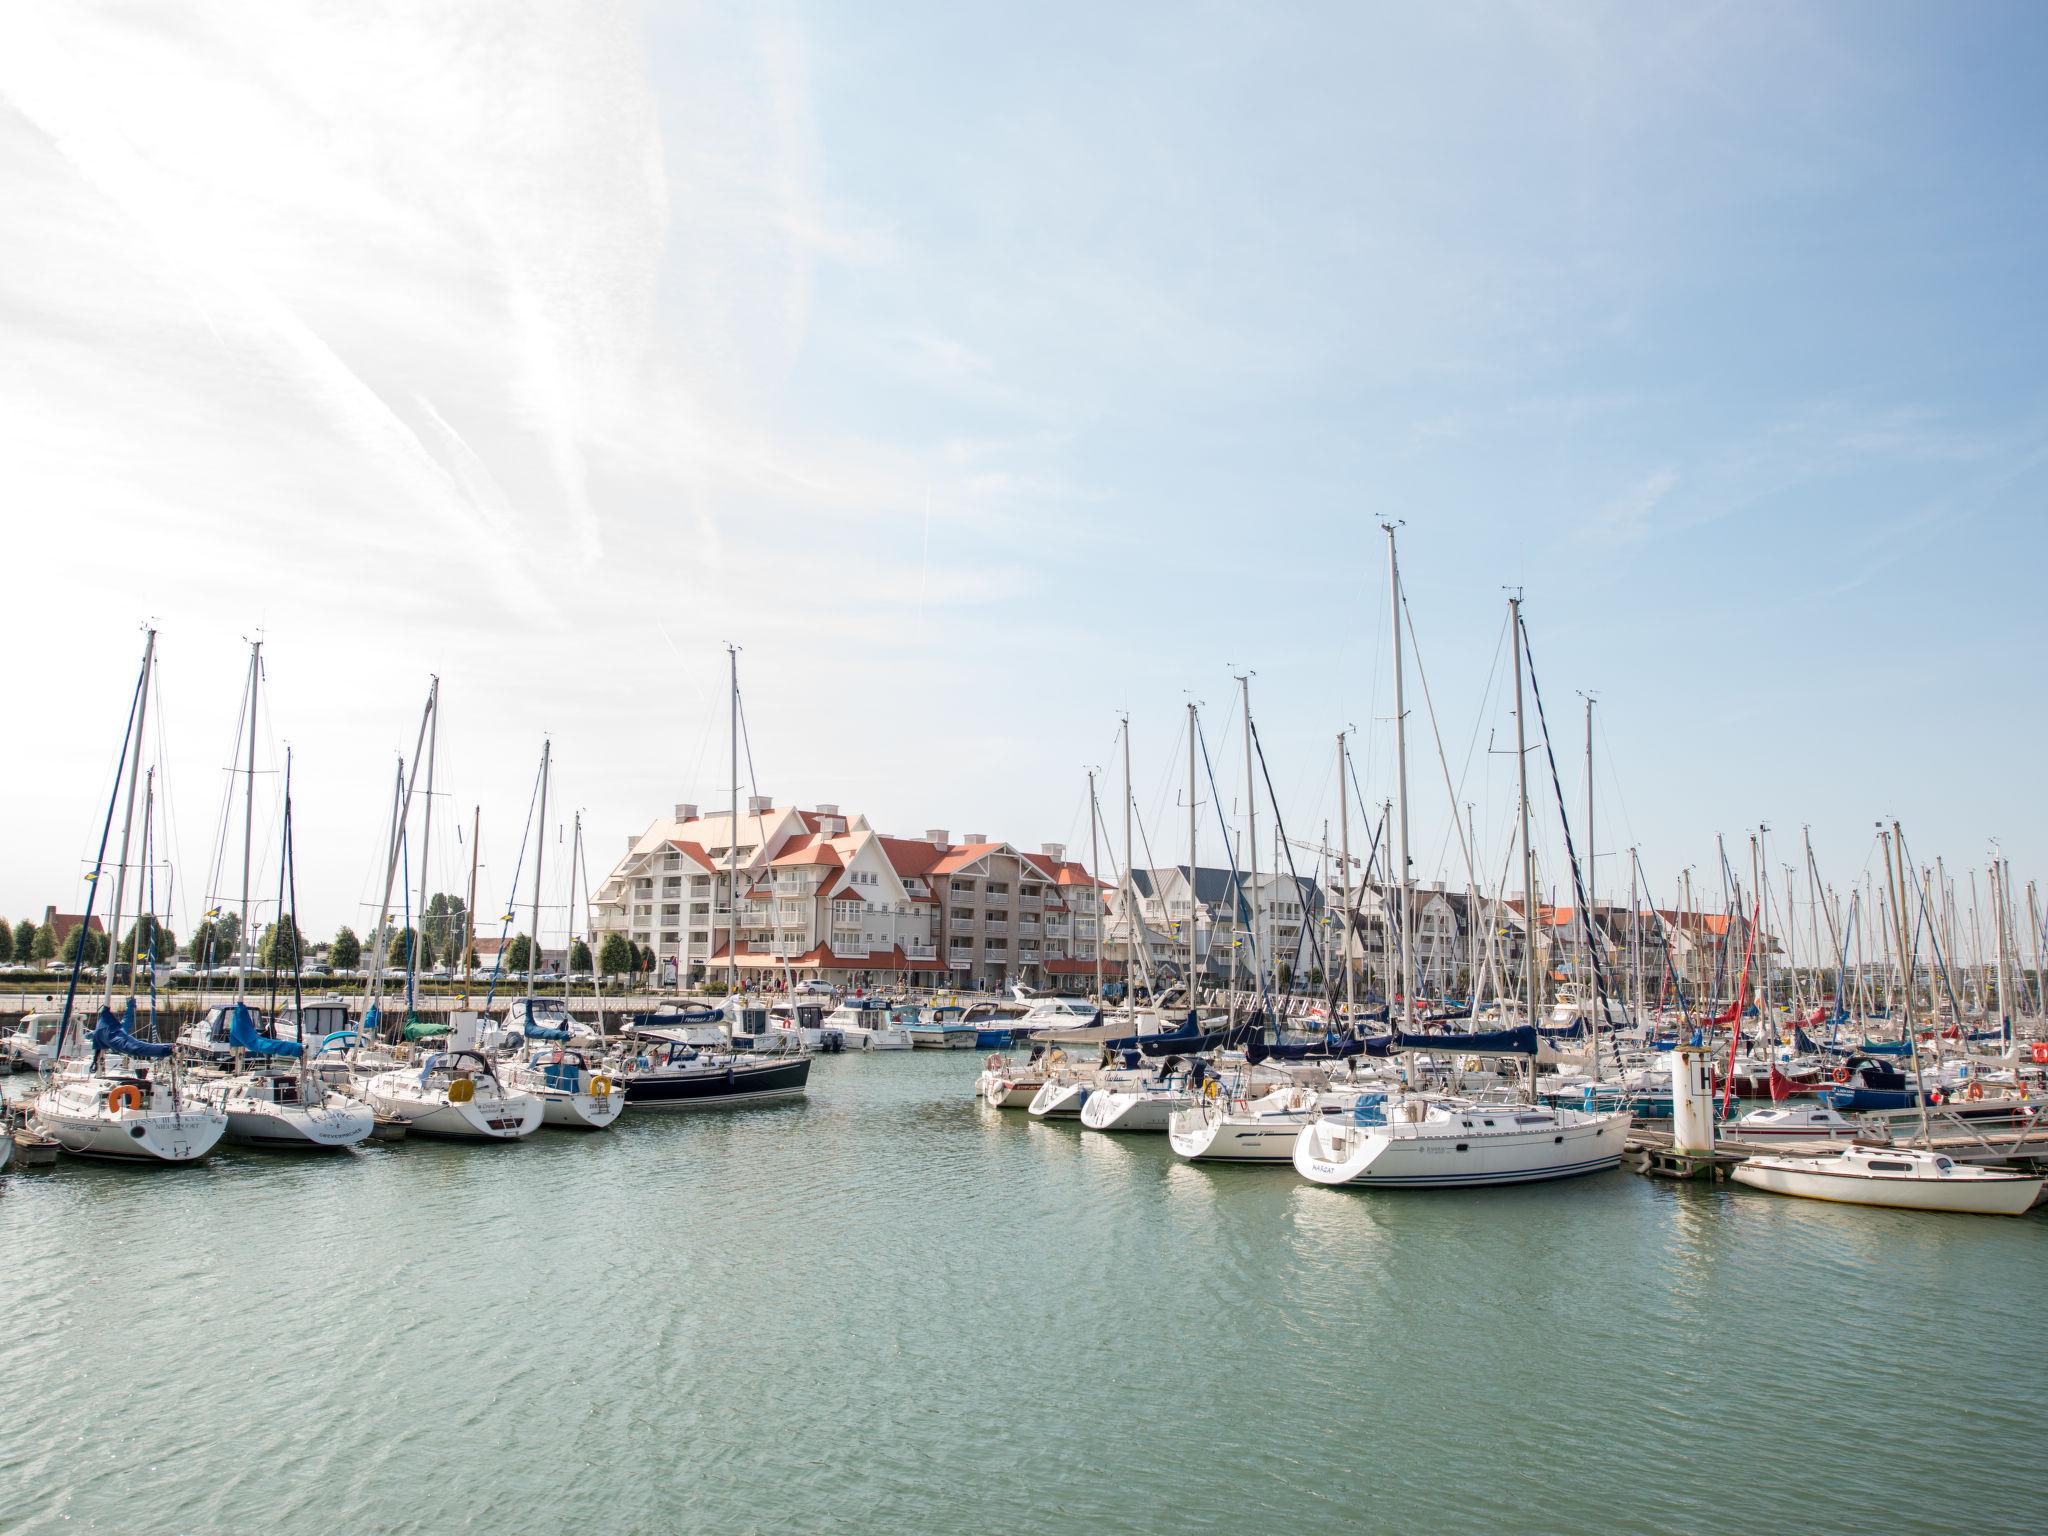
(113,1034)
(243,1037)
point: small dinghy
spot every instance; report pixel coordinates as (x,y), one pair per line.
(1900,1178)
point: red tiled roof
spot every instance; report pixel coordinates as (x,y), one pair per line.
(824,957)
(692,851)
(811,851)
(910,857)
(962,855)
(1064,872)
(61,923)
(1074,967)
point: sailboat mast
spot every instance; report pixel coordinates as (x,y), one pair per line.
(1400,782)
(400,816)
(732,850)
(248,819)
(1192,726)
(476,827)
(1344,854)
(427,823)
(1897,840)
(127,825)
(1528,850)
(1251,835)
(540,848)
(1599,997)
(1094,890)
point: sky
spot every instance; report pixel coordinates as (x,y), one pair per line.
(987,375)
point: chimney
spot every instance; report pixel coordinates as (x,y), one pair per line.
(686,813)
(759,805)
(936,836)
(632,842)
(827,810)
(974,837)
(1057,852)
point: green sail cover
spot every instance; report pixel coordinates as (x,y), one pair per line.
(417,1028)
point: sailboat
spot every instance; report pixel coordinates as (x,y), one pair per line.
(269,1097)
(1419,1140)
(574,1092)
(123,1102)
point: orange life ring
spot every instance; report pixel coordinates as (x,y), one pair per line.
(1976,1092)
(1841,1074)
(127,1096)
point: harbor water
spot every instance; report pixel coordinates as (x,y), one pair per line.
(890,1308)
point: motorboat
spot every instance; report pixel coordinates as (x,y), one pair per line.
(698,1024)
(1415,1141)
(1901,1178)
(454,1094)
(668,1072)
(574,1092)
(1809,1121)
(939,1028)
(32,1044)
(532,1020)
(871,1024)
(125,1103)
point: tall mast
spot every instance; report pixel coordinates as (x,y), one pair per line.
(427,823)
(540,848)
(1251,835)
(399,818)
(476,827)
(1344,867)
(248,819)
(1528,851)
(732,850)
(1192,725)
(1401,781)
(1094,890)
(2034,938)
(1898,904)
(1599,997)
(127,825)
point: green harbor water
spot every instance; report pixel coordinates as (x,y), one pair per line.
(891,1309)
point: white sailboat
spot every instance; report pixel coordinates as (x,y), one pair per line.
(1900,1178)
(123,1102)
(454,1094)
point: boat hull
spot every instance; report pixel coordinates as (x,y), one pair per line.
(738,1083)
(1382,1157)
(1978,1197)
(1150,1110)
(182,1136)
(1203,1135)
(298,1128)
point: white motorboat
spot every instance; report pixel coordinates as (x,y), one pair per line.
(867,1024)
(1415,1142)
(1260,1130)
(32,1044)
(574,1092)
(455,1094)
(1901,1178)
(1811,1121)
(276,1106)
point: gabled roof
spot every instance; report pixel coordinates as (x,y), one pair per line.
(694,852)
(911,857)
(810,851)
(1064,872)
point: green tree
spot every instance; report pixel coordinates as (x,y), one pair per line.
(579,956)
(215,940)
(84,937)
(401,942)
(24,940)
(42,945)
(444,922)
(283,946)
(6,941)
(615,954)
(519,953)
(148,937)
(346,952)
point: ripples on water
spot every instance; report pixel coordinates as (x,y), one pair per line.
(890,1309)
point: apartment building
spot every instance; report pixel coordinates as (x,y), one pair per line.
(824,895)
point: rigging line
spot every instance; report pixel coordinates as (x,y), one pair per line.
(1241,914)
(1464,847)
(1570,853)
(92,892)
(1314,939)
(512,901)
(1664,943)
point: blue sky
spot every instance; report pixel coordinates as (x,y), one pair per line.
(985,374)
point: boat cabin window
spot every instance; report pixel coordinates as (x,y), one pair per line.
(1944,1164)
(1877,1166)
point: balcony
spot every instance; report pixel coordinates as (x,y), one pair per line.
(996,925)
(1028,927)
(1057,927)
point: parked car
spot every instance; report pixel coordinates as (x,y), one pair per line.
(815,989)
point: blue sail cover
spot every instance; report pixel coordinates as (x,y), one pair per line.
(1519,1041)
(112,1034)
(534,1030)
(243,1037)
